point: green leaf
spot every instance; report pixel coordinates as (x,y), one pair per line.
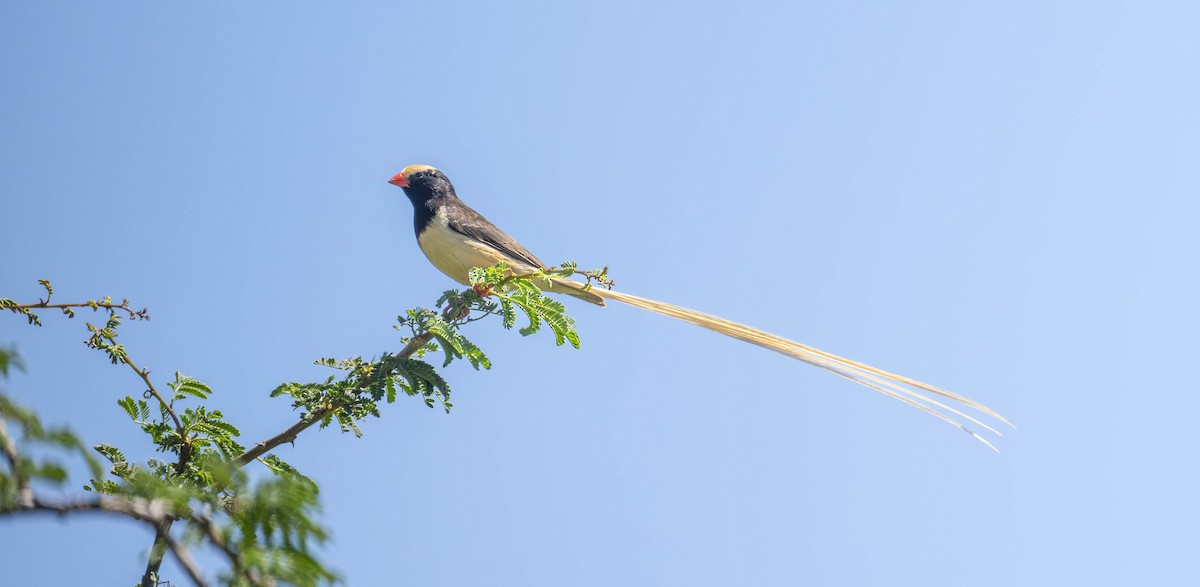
(347,424)
(185,386)
(425,372)
(508,314)
(9,360)
(450,346)
(279,467)
(391,390)
(129,404)
(110,452)
(284,389)
(224,427)
(49,471)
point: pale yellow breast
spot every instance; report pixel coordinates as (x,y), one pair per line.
(455,254)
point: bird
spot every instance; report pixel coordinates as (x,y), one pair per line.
(455,238)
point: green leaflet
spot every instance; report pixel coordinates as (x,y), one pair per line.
(185,386)
(197,465)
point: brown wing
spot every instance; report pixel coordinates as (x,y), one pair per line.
(462,219)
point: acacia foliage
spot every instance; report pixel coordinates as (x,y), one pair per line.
(195,492)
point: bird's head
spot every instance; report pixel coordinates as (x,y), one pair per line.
(422,182)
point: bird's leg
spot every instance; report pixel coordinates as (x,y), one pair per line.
(456,309)
(451,305)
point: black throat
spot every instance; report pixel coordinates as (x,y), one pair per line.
(428,191)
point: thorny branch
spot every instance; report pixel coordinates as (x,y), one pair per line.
(142,314)
(162,519)
(153,512)
(163,536)
(159,513)
(218,539)
(289,435)
(69,309)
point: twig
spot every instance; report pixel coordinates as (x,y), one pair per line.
(215,536)
(142,314)
(145,375)
(289,435)
(155,512)
(162,523)
(158,550)
(599,276)
(286,436)
(162,536)
(138,508)
(185,560)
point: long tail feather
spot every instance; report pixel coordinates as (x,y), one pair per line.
(898,387)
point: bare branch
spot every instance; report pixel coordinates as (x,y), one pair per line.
(162,535)
(153,511)
(142,314)
(216,537)
(145,375)
(185,560)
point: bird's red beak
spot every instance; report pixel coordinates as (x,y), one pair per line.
(399,180)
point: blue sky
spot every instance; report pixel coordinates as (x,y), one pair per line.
(999,199)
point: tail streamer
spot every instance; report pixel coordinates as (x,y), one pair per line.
(919,395)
